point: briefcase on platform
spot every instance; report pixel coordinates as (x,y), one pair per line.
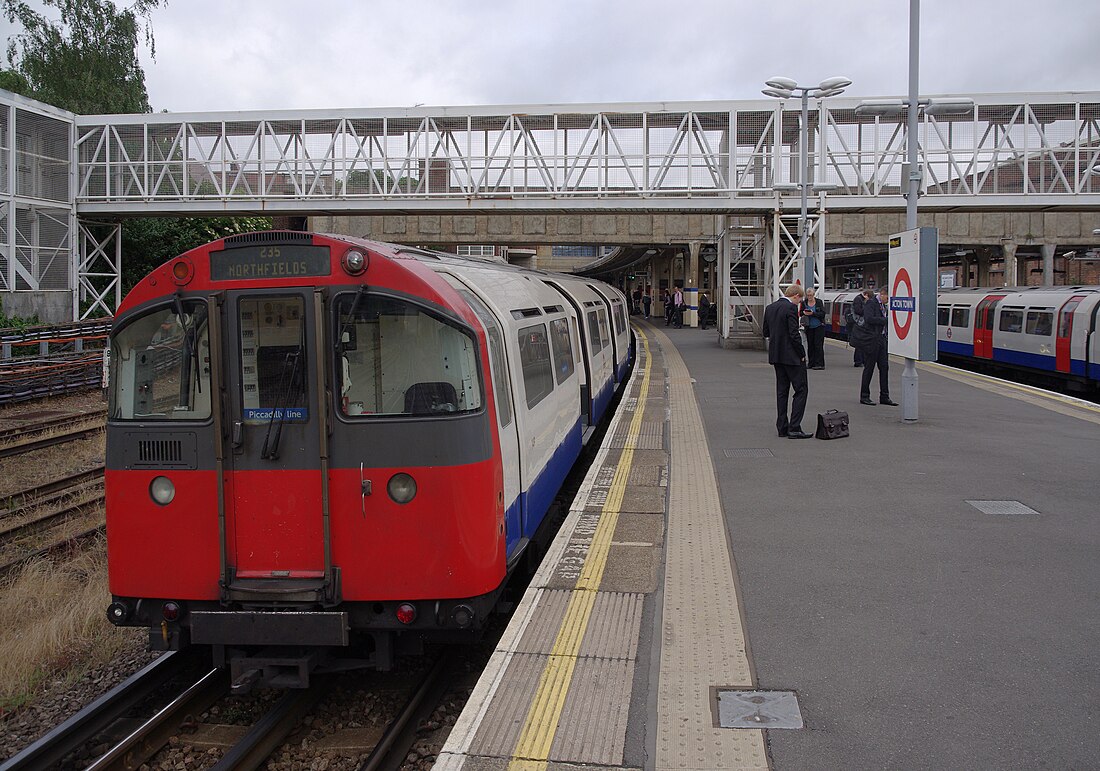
(832,424)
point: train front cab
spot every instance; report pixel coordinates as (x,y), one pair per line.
(332,465)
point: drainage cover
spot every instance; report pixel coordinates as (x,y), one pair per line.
(1004,508)
(749,452)
(758,709)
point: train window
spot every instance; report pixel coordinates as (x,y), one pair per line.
(398,358)
(1065,320)
(620,318)
(160,365)
(605,334)
(496,349)
(943,316)
(534,357)
(594,333)
(1039,322)
(274,368)
(563,351)
(960,317)
(1012,320)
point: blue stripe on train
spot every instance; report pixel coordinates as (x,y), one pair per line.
(957,349)
(538,497)
(599,404)
(513,524)
(1022,359)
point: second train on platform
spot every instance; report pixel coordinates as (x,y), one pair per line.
(1048,335)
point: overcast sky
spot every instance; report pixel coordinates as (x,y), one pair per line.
(287,54)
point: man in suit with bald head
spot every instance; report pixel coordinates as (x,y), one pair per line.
(788,355)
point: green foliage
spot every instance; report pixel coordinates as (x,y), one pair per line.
(86,61)
(359,182)
(147,243)
(17,322)
(13,81)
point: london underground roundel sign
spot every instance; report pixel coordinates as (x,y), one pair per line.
(903,303)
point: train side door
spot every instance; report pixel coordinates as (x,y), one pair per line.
(274,509)
(983,326)
(1062,357)
(507,425)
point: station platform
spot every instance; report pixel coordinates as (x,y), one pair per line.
(917,595)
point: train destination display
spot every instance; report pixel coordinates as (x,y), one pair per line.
(270,262)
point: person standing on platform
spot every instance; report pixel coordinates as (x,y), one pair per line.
(855,313)
(678,307)
(666,297)
(647,301)
(704,310)
(875,352)
(635,301)
(813,321)
(787,354)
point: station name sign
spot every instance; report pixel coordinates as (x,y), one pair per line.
(270,261)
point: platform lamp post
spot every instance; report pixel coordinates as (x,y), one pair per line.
(784,88)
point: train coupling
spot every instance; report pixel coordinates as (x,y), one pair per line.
(271,668)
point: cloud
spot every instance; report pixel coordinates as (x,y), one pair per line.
(282,54)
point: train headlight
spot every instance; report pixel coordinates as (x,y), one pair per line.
(162,491)
(355,262)
(402,488)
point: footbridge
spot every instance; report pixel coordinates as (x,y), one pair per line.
(720,171)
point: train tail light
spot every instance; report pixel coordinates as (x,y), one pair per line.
(171,611)
(406,613)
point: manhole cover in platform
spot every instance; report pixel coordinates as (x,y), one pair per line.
(758,709)
(749,452)
(1004,508)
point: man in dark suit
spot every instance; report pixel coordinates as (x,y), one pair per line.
(876,352)
(787,354)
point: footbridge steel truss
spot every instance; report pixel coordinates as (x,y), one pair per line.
(66,180)
(1014,150)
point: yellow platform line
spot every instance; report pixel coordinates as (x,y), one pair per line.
(532,751)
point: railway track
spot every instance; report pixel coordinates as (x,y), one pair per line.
(31,445)
(19,502)
(63,546)
(198,694)
(98,716)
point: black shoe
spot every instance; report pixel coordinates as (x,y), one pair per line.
(888,402)
(867,401)
(857,364)
(799,435)
(783,434)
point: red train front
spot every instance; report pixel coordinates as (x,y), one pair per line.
(301,456)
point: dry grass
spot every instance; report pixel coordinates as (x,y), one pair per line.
(53,624)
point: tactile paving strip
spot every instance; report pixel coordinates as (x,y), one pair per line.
(1004,508)
(651,436)
(703,644)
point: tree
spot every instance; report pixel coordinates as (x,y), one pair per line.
(147,243)
(13,81)
(85,62)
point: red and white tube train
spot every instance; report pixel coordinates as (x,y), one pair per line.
(323,446)
(1046,334)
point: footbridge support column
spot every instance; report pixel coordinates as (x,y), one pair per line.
(1011,277)
(1048,263)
